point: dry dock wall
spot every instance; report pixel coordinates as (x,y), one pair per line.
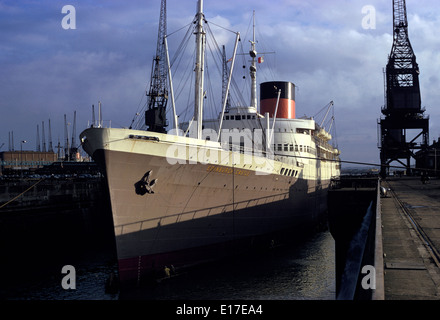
(354,222)
(48,223)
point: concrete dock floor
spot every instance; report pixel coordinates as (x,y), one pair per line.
(411,272)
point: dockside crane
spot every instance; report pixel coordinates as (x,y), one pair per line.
(402,110)
(50,139)
(155,115)
(73,147)
(43,137)
(38,140)
(66,140)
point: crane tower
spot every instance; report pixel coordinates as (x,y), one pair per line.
(402,111)
(155,115)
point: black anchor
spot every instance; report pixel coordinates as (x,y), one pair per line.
(144,185)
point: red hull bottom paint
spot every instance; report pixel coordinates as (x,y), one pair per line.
(145,269)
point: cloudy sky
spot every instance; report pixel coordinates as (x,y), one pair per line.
(329,49)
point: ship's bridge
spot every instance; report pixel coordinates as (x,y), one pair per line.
(241,113)
(237,118)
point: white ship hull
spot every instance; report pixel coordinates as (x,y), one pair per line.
(204,204)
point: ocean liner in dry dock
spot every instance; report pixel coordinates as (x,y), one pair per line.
(209,188)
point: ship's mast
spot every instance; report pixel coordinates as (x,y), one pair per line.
(199,68)
(253,67)
(225,80)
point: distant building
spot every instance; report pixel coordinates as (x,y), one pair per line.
(429,159)
(24,160)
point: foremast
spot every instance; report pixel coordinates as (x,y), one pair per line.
(253,67)
(199,70)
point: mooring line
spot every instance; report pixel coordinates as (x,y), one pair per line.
(15,198)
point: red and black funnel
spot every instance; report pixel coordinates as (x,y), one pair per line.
(269,95)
